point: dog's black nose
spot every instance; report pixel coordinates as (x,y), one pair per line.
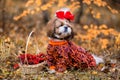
(66,28)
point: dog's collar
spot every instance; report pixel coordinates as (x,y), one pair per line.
(57,42)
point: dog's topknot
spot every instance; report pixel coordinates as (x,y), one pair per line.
(64,13)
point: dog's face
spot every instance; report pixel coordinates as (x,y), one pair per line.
(60,29)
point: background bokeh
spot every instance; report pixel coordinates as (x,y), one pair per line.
(96,23)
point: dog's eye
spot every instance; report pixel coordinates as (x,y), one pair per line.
(57,27)
(67,21)
(59,33)
(61,25)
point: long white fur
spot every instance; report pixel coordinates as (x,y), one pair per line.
(61,29)
(98,59)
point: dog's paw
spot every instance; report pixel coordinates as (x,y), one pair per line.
(51,69)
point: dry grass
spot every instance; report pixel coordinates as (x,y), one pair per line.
(99,40)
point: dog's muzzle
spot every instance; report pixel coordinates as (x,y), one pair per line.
(65,29)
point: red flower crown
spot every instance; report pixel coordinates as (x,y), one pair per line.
(65,15)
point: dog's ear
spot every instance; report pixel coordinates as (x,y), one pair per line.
(71,36)
(51,22)
(50,27)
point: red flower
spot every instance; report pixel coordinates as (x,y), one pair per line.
(32,58)
(16,66)
(65,15)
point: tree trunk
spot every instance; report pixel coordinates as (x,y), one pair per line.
(80,12)
(2,2)
(46,14)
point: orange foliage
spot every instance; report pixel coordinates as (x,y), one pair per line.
(100,3)
(117,39)
(104,43)
(96,2)
(88,2)
(34,6)
(92,31)
(112,10)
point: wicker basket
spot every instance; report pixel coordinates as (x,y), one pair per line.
(32,69)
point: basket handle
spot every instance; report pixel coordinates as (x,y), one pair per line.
(28,39)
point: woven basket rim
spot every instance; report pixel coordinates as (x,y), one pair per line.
(34,65)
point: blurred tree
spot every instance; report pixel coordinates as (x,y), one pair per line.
(2,6)
(46,15)
(80,12)
(31,12)
(114,3)
(48,7)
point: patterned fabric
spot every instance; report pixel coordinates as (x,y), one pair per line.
(69,56)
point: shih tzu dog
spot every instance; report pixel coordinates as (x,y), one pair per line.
(62,54)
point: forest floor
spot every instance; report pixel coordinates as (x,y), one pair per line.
(102,41)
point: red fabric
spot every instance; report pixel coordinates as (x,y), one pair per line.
(69,56)
(65,15)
